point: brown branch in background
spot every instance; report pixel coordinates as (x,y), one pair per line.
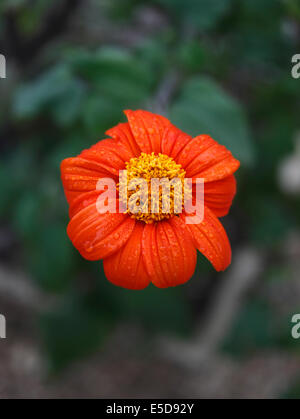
(165,92)
(17,287)
(239,279)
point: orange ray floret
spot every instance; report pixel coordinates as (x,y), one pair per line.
(138,250)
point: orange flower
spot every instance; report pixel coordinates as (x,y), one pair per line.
(158,248)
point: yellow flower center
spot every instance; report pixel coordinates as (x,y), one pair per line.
(155,183)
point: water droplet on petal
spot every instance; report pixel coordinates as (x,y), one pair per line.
(88,247)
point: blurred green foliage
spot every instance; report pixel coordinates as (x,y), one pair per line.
(203,14)
(203,107)
(232,58)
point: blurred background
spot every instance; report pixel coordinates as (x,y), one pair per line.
(220,67)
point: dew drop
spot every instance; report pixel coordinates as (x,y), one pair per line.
(88,247)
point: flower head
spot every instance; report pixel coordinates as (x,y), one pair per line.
(154,244)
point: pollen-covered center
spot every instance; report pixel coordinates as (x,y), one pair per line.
(154,186)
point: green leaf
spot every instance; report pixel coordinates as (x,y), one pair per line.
(153,53)
(202,13)
(117,80)
(55,92)
(108,64)
(69,105)
(192,55)
(204,108)
(100,113)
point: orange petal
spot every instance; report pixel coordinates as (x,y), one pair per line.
(95,235)
(168,252)
(174,141)
(126,267)
(219,195)
(80,175)
(83,200)
(104,159)
(148,129)
(203,157)
(211,240)
(110,154)
(123,133)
